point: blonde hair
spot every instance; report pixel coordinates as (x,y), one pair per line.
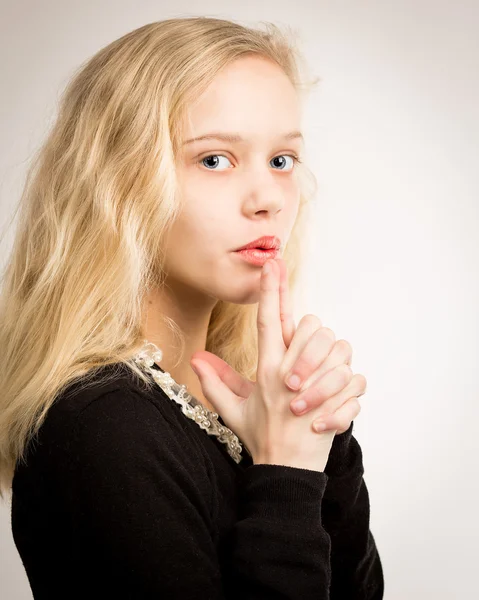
(99,198)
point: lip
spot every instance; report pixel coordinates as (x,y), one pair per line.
(266,242)
(257,257)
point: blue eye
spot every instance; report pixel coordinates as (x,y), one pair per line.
(217,156)
(214,158)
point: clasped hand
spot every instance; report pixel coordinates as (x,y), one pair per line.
(320,363)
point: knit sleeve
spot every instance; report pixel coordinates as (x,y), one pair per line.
(141,503)
(356,569)
(305,534)
(279,547)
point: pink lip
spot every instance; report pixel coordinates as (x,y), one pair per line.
(257,257)
(267,242)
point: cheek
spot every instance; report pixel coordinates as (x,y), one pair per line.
(209,221)
(201,237)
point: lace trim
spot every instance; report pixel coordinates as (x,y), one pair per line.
(190,406)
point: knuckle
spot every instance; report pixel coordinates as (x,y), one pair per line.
(345,347)
(345,372)
(315,394)
(328,332)
(311,320)
(305,365)
(361,380)
(355,405)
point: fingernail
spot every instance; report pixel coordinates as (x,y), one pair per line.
(267,268)
(294,382)
(319,427)
(299,405)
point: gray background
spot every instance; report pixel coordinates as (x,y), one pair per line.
(392,136)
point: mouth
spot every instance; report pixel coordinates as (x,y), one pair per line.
(265,243)
(261,250)
(257,256)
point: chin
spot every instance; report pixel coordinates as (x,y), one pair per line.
(241,296)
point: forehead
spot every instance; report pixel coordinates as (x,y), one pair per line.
(252,99)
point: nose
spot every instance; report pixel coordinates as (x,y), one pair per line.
(265,195)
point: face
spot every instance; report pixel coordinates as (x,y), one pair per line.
(235,192)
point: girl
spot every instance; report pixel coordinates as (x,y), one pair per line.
(176,146)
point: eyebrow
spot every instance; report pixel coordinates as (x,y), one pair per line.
(234,137)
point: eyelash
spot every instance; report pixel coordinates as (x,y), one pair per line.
(293,156)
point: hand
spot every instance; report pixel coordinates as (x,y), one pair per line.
(314,359)
(263,421)
(317,359)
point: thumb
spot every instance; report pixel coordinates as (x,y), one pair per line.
(224,400)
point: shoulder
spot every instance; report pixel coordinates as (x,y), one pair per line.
(110,405)
(116,422)
(112,387)
(115,436)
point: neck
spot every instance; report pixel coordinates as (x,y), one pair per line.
(191,312)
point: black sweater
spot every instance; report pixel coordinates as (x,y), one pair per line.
(123,496)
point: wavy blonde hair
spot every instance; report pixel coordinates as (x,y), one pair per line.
(99,198)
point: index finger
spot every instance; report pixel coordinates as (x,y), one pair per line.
(271,347)
(285,304)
